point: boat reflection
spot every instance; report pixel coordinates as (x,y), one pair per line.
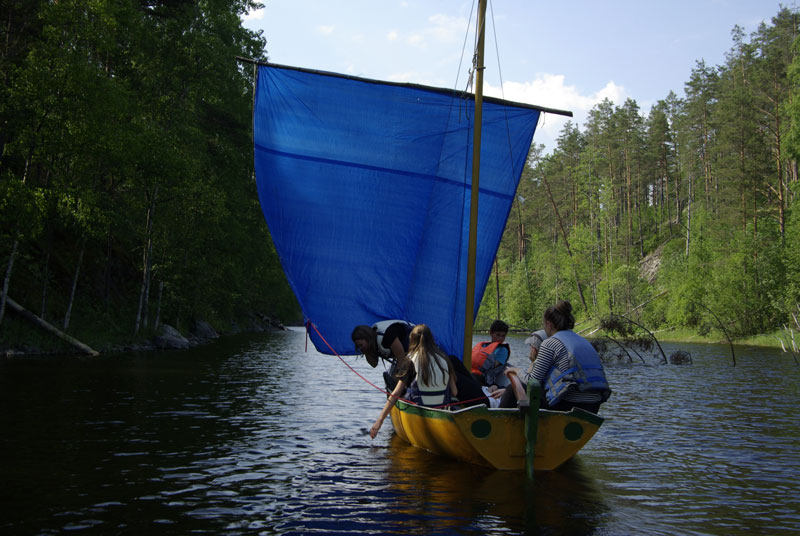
(437,494)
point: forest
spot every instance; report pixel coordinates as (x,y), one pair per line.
(127,194)
(681,216)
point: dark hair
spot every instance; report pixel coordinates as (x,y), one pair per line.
(560,315)
(368,334)
(498,326)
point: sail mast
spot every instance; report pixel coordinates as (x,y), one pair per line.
(473,205)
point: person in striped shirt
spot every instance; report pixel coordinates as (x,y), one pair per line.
(567,365)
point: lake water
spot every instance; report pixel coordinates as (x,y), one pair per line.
(256,435)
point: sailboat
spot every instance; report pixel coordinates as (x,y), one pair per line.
(388,201)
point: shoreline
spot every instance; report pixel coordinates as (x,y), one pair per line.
(165,337)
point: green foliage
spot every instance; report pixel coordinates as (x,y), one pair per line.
(792,104)
(127,128)
(685,216)
(789,299)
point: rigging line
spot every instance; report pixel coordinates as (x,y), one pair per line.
(458,98)
(497,52)
(463,48)
(458,71)
(462,106)
(387,393)
(478,31)
(461,61)
(511,159)
(458,290)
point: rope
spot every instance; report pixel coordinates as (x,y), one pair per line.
(384,391)
(387,393)
(511,158)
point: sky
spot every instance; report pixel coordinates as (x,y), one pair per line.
(563,54)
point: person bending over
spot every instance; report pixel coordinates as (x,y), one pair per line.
(386,340)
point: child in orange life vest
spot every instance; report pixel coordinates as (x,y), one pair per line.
(489,359)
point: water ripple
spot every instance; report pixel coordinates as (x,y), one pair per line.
(256,436)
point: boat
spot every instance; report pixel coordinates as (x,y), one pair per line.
(379,208)
(498,437)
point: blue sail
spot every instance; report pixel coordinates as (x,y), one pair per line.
(365,187)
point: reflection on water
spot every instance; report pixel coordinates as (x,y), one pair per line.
(253,435)
(440,496)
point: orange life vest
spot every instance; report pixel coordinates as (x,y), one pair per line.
(481,351)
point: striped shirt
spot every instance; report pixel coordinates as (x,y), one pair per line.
(552,352)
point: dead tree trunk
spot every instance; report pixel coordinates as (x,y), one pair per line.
(566,243)
(722,327)
(141,313)
(48,327)
(45,282)
(158,308)
(74,284)
(7,279)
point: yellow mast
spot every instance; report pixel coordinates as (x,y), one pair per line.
(473,206)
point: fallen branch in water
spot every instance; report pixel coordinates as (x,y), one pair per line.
(630,359)
(651,335)
(27,315)
(722,326)
(793,351)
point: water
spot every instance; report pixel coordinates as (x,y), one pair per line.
(254,435)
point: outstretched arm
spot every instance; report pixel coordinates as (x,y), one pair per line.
(398,391)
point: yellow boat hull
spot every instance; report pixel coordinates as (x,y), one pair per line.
(495,437)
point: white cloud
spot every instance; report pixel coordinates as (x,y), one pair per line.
(417,40)
(392,35)
(440,29)
(552,91)
(447,29)
(325,30)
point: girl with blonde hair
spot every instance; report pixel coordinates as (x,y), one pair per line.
(435,381)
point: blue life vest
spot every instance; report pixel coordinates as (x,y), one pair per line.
(585,371)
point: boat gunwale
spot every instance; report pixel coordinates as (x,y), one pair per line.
(575,412)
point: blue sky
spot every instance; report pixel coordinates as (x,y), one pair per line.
(565,54)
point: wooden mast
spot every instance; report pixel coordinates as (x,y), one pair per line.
(473,205)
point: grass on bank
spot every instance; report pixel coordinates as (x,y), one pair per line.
(590,328)
(683,334)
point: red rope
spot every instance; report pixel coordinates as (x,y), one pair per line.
(384,391)
(309,323)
